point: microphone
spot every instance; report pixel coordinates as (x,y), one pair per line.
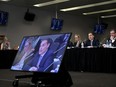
(56,60)
(29,55)
(60,48)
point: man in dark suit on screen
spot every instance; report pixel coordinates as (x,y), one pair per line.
(43,59)
(91,42)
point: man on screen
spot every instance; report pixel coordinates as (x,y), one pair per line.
(43,59)
(25,55)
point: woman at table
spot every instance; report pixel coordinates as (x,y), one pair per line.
(5,45)
(77,42)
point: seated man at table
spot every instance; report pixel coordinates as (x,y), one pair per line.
(43,58)
(91,42)
(111,41)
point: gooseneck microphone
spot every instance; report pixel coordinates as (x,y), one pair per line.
(59,57)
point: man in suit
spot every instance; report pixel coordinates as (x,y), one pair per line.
(25,55)
(112,37)
(43,59)
(91,42)
(111,41)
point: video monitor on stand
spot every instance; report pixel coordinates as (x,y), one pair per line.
(42,55)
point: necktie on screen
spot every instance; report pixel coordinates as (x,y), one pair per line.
(40,58)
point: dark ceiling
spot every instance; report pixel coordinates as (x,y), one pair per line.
(30,3)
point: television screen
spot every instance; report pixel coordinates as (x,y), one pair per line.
(3,17)
(56,24)
(100,28)
(41,53)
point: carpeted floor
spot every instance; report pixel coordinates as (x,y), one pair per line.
(80,79)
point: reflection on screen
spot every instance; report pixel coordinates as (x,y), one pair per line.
(41,53)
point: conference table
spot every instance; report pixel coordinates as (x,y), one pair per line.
(6,58)
(91,59)
(76,59)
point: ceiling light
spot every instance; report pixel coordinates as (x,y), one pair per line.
(102,11)
(5,0)
(89,5)
(50,3)
(108,16)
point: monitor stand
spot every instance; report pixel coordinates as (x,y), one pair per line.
(60,79)
(16,81)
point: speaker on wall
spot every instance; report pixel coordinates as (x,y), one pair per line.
(29,16)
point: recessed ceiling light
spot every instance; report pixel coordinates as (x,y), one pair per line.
(108,16)
(50,3)
(5,0)
(89,5)
(102,11)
